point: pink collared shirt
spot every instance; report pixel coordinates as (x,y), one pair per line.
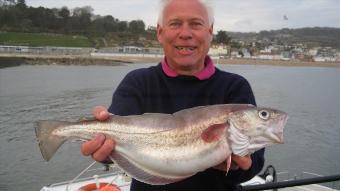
(204,74)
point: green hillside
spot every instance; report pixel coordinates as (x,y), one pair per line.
(43,39)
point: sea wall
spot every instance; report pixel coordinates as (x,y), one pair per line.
(18,59)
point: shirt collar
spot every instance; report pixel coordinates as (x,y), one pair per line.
(204,74)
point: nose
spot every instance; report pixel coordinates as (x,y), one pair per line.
(185,32)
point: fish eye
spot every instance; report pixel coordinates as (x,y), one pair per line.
(264,114)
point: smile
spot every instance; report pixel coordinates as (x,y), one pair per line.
(187,48)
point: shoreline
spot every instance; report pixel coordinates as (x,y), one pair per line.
(7,60)
(287,63)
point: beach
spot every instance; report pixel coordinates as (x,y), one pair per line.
(42,59)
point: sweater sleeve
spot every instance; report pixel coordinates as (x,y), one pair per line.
(127,98)
(240,92)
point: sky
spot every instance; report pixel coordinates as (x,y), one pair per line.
(230,15)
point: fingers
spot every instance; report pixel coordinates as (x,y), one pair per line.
(99,147)
(91,146)
(234,166)
(237,162)
(241,162)
(104,151)
(100,113)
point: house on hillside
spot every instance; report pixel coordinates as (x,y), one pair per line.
(245,53)
(219,51)
(269,56)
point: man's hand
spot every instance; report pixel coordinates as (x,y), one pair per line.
(99,147)
(240,162)
(236,162)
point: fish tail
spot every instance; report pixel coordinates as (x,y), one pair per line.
(48,142)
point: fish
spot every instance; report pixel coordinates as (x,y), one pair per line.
(159,149)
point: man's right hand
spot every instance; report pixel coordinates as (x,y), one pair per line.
(99,147)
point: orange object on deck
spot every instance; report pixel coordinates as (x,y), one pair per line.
(102,187)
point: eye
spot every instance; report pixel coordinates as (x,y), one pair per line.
(174,24)
(264,114)
(196,25)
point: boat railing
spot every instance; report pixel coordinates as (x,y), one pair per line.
(95,177)
(273,182)
(285,176)
(290,183)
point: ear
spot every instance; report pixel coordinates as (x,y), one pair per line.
(211,31)
(160,33)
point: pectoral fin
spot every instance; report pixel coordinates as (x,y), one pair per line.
(228,161)
(214,132)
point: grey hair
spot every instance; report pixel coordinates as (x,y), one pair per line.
(206,4)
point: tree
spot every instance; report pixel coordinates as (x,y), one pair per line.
(122,26)
(7,2)
(137,26)
(235,44)
(63,16)
(81,19)
(83,11)
(109,23)
(64,13)
(102,25)
(152,31)
(222,37)
(21,4)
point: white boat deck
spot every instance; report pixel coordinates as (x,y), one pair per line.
(119,179)
(123,182)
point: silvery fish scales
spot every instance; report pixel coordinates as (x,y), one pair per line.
(164,148)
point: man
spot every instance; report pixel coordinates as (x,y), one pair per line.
(185,78)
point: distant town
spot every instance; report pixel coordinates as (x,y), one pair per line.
(299,52)
(78,32)
(294,52)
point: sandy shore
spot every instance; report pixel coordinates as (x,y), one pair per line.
(278,62)
(117,60)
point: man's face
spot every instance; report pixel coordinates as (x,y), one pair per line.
(185,35)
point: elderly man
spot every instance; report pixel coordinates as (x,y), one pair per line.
(185,78)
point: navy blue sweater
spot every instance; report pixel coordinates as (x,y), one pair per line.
(150,90)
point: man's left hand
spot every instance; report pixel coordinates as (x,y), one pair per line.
(237,162)
(240,162)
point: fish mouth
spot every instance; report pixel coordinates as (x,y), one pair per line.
(276,137)
(276,131)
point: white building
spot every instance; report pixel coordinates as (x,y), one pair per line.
(220,51)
